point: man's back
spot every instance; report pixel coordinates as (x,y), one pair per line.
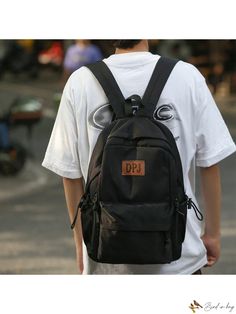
(185,107)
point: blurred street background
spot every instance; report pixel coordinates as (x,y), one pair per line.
(35,235)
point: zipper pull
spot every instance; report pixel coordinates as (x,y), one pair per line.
(75,218)
(80,205)
(81,201)
(177,207)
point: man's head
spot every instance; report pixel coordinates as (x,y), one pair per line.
(126,44)
(132,45)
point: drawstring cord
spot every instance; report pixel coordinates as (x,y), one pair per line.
(77,212)
(191,204)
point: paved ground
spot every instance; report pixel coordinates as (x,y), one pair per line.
(35,235)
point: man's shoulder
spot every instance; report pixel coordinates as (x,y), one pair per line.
(81,73)
(183,70)
(188,71)
(80,77)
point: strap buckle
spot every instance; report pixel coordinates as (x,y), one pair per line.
(132,105)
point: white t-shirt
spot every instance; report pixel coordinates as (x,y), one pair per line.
(188,110)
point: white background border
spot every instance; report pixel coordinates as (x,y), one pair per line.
(114,294)
(45,19)
(103,19)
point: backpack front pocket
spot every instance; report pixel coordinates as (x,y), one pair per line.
(135,234)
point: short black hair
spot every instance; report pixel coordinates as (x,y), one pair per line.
(125,44)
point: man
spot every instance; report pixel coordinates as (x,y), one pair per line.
(80,53)
(186,107)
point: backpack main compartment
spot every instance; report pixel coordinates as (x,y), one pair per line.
(135,208)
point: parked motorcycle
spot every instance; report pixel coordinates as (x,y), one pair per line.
(25,112)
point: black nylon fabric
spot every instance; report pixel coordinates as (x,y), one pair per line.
(145,213)
(110,86)
(135,208)
(156,84)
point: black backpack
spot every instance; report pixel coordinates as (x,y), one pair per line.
(134,208)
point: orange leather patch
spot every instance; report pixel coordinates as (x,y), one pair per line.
(133,168)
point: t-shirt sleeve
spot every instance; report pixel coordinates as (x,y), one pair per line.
(62,156)
(213,140)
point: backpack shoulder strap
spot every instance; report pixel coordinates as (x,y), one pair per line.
(106,79)
(157,83)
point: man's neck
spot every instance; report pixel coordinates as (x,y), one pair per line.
(140,47)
